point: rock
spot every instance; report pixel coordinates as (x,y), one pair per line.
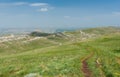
(32,75)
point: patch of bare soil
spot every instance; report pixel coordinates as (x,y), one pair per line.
(85,68)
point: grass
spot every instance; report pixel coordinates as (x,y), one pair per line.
(60,60)
(104,51)
(48,59)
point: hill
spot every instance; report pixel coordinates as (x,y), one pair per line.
(82,53)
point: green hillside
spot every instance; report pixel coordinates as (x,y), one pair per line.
(83,53)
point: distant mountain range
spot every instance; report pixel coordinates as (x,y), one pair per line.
(6,31)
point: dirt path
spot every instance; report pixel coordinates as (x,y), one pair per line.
(85,69)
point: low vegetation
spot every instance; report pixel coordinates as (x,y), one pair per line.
(39,34)
(73,54)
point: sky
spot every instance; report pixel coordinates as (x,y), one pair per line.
(59,13)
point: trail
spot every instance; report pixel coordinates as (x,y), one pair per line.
(85,69)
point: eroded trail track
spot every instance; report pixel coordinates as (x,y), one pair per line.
(85,69)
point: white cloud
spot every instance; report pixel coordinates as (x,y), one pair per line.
(24,3)
(39,4)
(20,3)
(13,4)
(42,7)
(42,10)
(67,17)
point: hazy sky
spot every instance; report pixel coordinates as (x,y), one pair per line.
(59,13)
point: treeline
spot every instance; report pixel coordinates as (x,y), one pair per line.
(42,34)
(35,33)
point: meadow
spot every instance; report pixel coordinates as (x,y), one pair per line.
(94,54)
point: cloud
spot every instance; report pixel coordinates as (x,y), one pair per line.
(24,3)
(20,3)
(13,4)
(42,10)
(42,7)
(39,4)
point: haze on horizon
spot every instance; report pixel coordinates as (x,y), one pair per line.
(59,13)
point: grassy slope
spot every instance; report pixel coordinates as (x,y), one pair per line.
(64,60)
(18,46)
(105,52)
